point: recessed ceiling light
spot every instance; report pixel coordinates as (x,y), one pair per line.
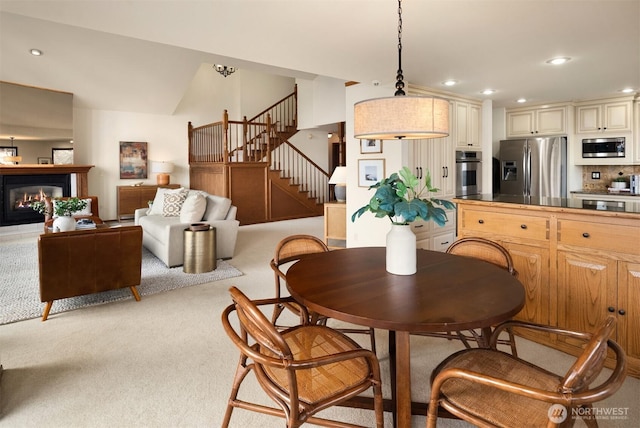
(521,100)
(449,82)
(627,90)
(488,92)
(559,60)
(35,52)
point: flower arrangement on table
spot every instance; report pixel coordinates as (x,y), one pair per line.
(399,197)
(60,207)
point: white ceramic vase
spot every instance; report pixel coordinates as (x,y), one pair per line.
(64,223)
(401,250)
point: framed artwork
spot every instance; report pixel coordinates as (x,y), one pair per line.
(370,171)
(370,146)
(7,151)
(62,156)
(133,160)
(44,161)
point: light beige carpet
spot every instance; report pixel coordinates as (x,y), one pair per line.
(166,362)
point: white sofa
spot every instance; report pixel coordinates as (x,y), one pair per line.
(163,232)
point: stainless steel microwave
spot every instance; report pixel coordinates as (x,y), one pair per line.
(603,147)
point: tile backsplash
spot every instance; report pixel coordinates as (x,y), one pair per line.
(607,174)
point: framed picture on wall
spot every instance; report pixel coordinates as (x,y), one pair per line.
(7,151)
(133,160)
(370,171)
(44,161)
(370,146)
(62,156)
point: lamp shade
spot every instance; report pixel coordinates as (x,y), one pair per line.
(401,117)
(339,175)
(162,167)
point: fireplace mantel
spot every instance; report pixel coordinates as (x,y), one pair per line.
(81,171)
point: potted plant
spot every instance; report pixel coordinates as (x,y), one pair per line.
(62,210)
(400,198)
(619,183)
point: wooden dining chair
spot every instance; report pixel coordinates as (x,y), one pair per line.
(289,250)
(492,252)
(304,369)
(487,387)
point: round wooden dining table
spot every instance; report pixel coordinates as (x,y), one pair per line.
(447,293)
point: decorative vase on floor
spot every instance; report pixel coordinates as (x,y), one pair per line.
(64,223)
(401,250)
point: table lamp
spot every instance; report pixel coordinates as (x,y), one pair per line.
(163,169)
(339,178)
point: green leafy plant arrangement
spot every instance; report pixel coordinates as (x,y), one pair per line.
(61,207)
(399,198)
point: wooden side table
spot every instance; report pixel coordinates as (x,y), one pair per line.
(335,224)
(199,251)
(130,198)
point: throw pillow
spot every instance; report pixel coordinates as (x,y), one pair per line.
(173,203)
(193,208)
(158,202)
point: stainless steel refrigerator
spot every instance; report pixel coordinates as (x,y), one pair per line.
(534,167)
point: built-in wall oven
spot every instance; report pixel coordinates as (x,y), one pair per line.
(468,173)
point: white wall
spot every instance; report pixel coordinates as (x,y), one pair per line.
(321,101)
(97,133)
(367,230)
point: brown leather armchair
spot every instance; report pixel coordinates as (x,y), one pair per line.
(89,261)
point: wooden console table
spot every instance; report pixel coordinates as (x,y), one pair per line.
(130,198)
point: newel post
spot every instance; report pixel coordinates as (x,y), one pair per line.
(225,142)
(189,136)
(269,139)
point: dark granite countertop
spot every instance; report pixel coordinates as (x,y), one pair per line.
(594,204)
(604,192)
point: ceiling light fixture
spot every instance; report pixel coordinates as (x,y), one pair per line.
(559,60)
(14,158)
(521,100)
(224,70)
(449,82)
(627,90)
(488,92)
(401,116)
(35,52)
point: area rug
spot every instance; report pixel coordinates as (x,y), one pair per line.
(20,289)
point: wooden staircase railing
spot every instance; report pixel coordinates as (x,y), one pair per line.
(263,138)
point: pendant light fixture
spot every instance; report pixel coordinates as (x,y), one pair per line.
(15,158)
(401,116)
(224,70)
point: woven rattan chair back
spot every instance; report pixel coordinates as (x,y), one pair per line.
(483,249)
(487,387)
(492,252)
(304,369)
(289,250)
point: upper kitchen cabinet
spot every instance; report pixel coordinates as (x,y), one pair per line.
(606,116)
(466,125)
(537,121)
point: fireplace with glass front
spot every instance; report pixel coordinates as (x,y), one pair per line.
(18,191)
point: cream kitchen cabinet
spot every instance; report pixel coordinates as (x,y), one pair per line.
(539,121)
(436,156)
(605,117)
(467,125)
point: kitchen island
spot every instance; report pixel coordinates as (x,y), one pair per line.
(578,262)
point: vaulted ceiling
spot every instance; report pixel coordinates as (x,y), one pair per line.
(140,55)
